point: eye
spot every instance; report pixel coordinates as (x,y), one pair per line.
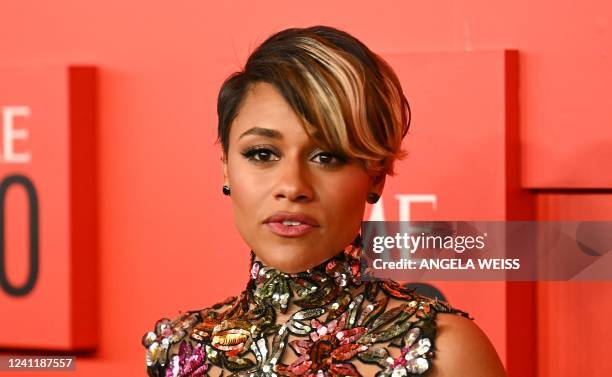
(260,155)
(328,158)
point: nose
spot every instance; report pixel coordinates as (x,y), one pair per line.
(294,181)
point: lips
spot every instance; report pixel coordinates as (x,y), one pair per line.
(279,217)
(288,224)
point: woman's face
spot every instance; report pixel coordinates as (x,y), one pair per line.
(277,174)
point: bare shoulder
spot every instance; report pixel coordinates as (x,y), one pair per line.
(463,349)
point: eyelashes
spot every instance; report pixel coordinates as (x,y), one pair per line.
(255,153)
(266,155)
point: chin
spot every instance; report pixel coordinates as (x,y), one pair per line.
(289,258)
(286,261)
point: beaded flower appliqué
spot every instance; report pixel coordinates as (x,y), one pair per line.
(330,330)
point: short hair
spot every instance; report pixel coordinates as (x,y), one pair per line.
(348,98)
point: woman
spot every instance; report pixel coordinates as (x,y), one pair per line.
(309,130)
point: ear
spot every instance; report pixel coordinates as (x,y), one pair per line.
(378,183)
(224,163)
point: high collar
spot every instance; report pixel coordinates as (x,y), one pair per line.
(269,286)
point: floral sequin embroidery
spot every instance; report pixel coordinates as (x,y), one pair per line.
(331,329)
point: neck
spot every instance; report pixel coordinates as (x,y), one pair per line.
(314,287)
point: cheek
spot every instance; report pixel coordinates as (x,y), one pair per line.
(347,199)
(247,192)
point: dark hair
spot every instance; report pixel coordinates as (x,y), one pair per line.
(348,98)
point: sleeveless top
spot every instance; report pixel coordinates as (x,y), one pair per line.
(331,323)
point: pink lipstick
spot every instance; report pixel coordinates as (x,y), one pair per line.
(288,224)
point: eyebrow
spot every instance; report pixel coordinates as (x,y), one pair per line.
(267,132)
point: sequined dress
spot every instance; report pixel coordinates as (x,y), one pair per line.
(324,322)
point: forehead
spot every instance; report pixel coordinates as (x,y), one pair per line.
(265,107)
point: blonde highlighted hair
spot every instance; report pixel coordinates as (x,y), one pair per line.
(349,99)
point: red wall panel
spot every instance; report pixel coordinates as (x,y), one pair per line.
(49,208)
(574,329)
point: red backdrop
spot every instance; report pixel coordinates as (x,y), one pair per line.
(159,176)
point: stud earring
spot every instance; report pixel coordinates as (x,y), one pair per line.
(226,190)
(373,197)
